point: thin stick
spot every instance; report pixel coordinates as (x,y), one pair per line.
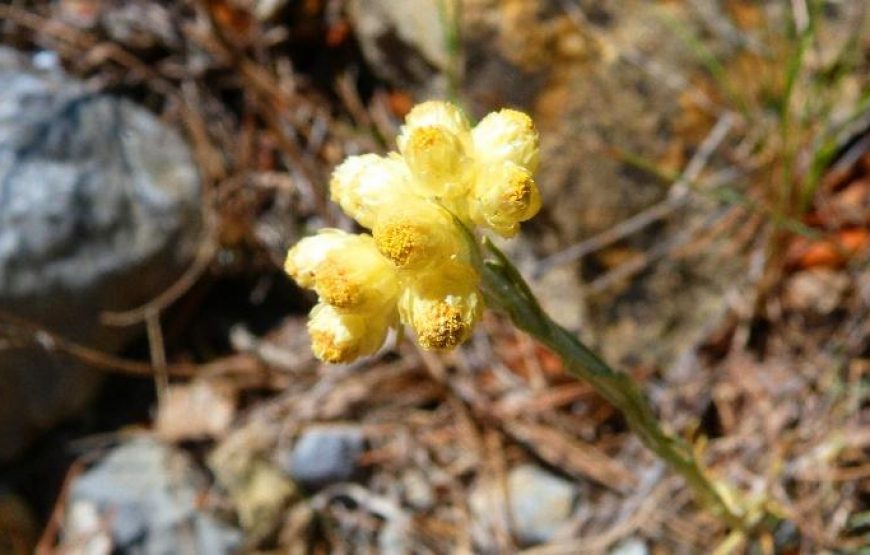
(50,341)
(48,539)
(207,250)
(158,355)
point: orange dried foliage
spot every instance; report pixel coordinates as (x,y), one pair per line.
(337,33)
(231,18)
(400,103)
(831,252)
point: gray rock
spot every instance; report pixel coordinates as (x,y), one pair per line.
(404,42)
(631,546)
(146,496)
(324,455)
(540,503)
(99,210)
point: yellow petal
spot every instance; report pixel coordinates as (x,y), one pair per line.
(442,305)
(507,135)
(363,184)
(504,195)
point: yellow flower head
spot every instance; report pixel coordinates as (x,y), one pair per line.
(504,195)
(435,114)
(442,305)
(415,267)
(362,185)
(357,280)
(417,234)
(345,270)
(507,136)
(306,256)
(435,142)
(341,337)
(437,160)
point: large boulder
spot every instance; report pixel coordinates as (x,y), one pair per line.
(99,210)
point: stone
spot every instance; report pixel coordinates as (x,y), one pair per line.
(99,210)
(394,537)
(257,488)
(631,546)
(540,502)
(144,497)
(325,455)
(262,499)
(417,491)
(786,538)
(404,42)
(816,290)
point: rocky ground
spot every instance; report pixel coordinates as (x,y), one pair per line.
(706,226)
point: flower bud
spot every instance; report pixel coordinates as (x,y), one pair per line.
(435,114)
(305,257)
(417,234)
(442,305)
(507,135)
(504,195)
(361,185)
(345,270)
(436,158)
(357,278)
(340,337)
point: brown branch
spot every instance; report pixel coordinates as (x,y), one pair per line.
(45,339)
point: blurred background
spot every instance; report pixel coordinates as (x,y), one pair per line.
(706,226)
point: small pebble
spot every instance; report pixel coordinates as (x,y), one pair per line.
(417,490)
(818,290)
(325,455)
(541,503)
(631,546)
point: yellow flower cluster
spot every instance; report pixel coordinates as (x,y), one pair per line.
(414,268)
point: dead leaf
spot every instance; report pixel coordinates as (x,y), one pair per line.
(196,410)
(829,252)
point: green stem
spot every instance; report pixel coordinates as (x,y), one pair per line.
(505,288)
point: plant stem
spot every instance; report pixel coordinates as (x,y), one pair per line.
(506,289)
